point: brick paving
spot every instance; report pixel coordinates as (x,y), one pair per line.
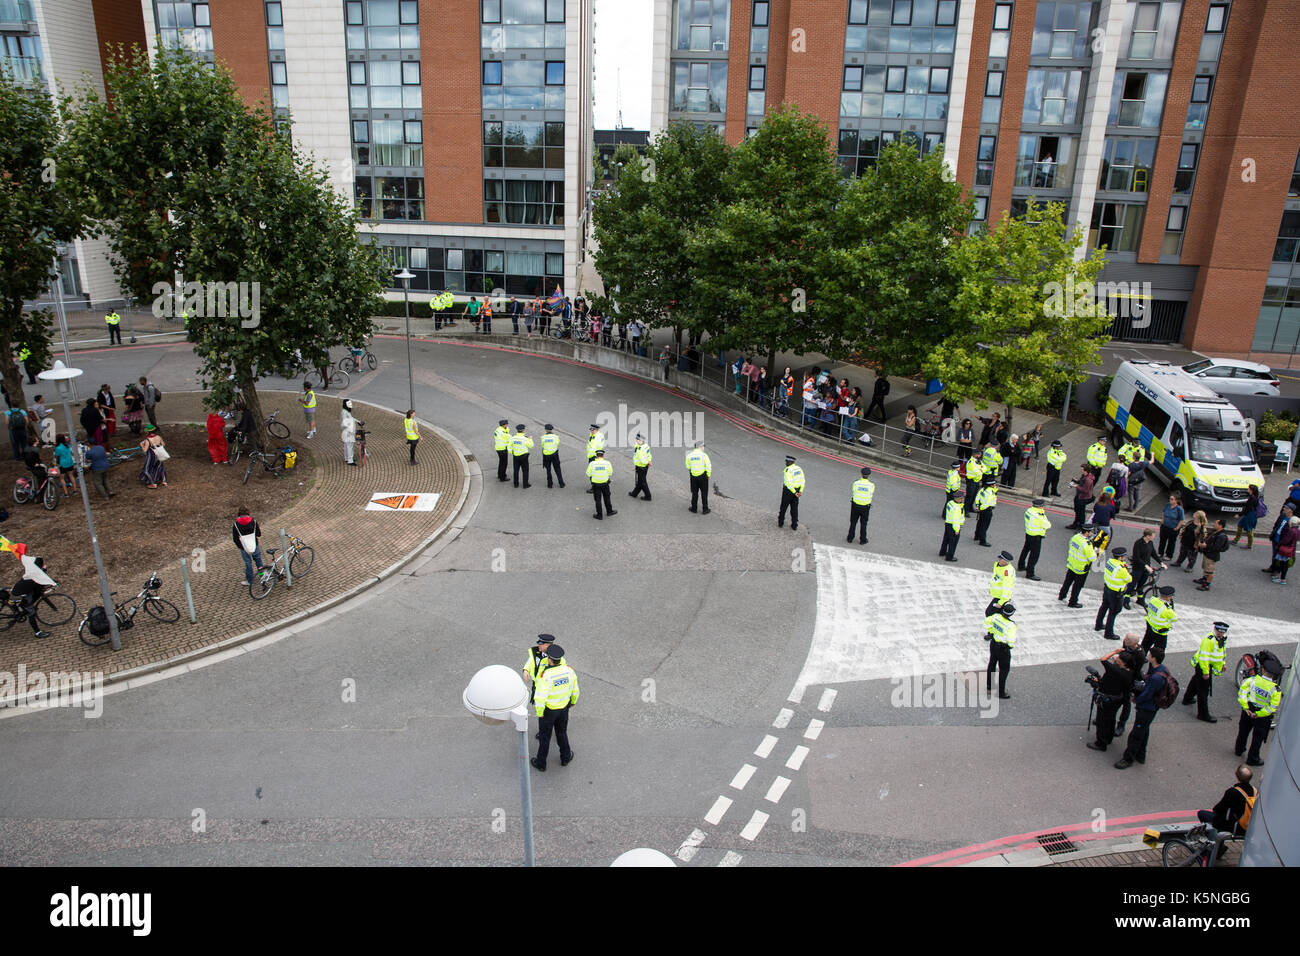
(351,544)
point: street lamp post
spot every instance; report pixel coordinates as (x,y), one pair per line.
(406,276)
(62,376)
(494,695)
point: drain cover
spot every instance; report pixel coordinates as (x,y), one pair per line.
(1055,843)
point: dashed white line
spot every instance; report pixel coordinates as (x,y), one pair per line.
(828,698)
(814,729)
(686,852)
(765,747)
(719,808)
(755,825)
(742,776)
(796,695)
(777,790)
(797,758)
(783,718)
(732,858)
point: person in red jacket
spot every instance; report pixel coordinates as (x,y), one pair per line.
(245,533)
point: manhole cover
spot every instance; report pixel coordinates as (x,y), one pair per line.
(1055,843)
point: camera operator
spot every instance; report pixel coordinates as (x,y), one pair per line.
(1113,689)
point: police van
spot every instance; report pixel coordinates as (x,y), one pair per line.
(1195,436)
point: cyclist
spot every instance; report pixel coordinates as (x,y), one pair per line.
(29,590)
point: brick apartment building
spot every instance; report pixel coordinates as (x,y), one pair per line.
(461,128)
(1171,130)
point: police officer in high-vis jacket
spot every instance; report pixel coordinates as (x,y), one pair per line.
(792,485)
(1000,632)
(1055,462)
(501,442)
(1036,527)
(860,498)
(595,441)
(599,472)
(952,482)
(1117,577)
(1206,662)
(954,516)
(641,459)
(554,694)
(1078,562)
(1003,583)
(551,457)
(701,469)
(537,662)
(520,446)
(1259,698)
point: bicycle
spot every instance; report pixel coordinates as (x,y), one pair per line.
(268,462)
(238,444)
(160,609)
(360,454)
(354,361)
(52,609)
(123,453)
(1201,847)
(26,489)
(1152,586)
(300,557)
(333,378)
(276,429)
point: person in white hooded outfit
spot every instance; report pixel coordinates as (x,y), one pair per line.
(349,433)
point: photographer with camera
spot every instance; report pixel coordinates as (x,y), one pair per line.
(1111,690)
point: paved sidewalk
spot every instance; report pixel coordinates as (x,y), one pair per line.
(352,546)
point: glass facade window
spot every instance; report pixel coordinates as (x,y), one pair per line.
(981,208)
(1288,238)
(555,73)
(702,25)
(1052,97)
(1063,30)
(188,26)
(1277,329)
(1146,22)
(20,57)
(1137,99)
(1116,226)
(1186,172)
(1126,164)
(525,85)
(984,155)
(1294,189)
(523,145)
(853,79)
(1000,39)
(757,78)
(700,87)
(528,202)
(1045,162)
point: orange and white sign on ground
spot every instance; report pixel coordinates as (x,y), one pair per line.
(399,501)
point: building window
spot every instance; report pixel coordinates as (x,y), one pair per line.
(274,16)
(1138,99)
(1146,23)
(492,73)
(902,13)
(410,72)
(858,11)
(939,80)
(554,72)
(895,79)
(1052,97)
(760,13)
(1002,16)
(523,145)
(981,208)
(408,12)
(491,11)
(1186,172)
(853,79)
(527,202)
(1062,29)
(701,24)
(1000,39)
(354,13)
(984,160)
(554,11)
(1115,226)
(413,131)
(1177,218)
(1294,189)
(1045,162)
(1278,326)
(946,13)
(357,73)
(1126,164)
(755,101)
(1288,238)
(993,83)
(1217,19)
(757,77)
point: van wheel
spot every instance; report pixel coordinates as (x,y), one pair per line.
(1118,437)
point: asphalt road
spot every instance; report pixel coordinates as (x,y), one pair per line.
(691,635)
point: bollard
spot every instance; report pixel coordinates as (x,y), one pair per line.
(189,595)
(284,553)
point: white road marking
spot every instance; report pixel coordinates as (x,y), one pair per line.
(755,825)
(870,625)
(828,698)
(777,790)
(796,695)
(732,858)
(783,719)
(720,807)
(814,729)
(742,776)
(797,758)
(690,846)
(765,747)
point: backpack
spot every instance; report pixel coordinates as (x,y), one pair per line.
(1261,510)
(1244,820)
(98,621)
(157,395)
(1167,694)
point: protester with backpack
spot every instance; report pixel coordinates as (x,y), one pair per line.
(1284,550)
(1232,813)
(1159,692)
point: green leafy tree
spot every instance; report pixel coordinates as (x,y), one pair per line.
(35,215)
(889,286)
(642,224)
(758,258)
(1030,322)
(185,181)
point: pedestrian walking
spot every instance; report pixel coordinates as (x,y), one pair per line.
(1206,662)
(792,485)
(97,458)
(1249,518)
(246,535)
(1078,563)
(151,396)
(1153,697)
(551,457)
(985,502)
(308,402)
(860,497)
(1259,698)
(1137,476)
(1160,619)
(878,393)
(954,516)
(501,443)
(1117,577)
(1190,540)
(1052,474)
(1119,669)
(1284,550)
(1003,583)
(520,447)
(153,473)
(701,470)
(1036,527)
(599,472)
(412,432)
(1216,542)
(1171,520)
(1102,513)
(555,691)
(641,458)
(1000,632)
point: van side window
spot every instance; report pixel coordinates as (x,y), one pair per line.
(1151,415)
(1176,438)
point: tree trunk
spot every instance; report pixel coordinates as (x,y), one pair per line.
(12,375)
(248,390)
(771,363)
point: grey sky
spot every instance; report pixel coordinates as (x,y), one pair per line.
(623,41)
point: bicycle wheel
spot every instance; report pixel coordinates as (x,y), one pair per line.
(1247,668)
(51,497)
(1180,852)
(263,583)
(55,608)
(161,609)
(9,616)
(236,452)
(334,379)
(252,460)
(371,362)
(347,364)
(22,492)
(89,639)
(301,562)
(313,379)
(277,430)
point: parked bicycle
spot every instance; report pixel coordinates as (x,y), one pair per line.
(276,429)
(1201,847)
(123,453)
(52,608)
(299,558)
(270,461)
(94,629)
(361,455)
(29,488)
(333,378)
(353,361)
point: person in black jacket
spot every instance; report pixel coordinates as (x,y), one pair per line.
(878,394)
(92,421)
(1121,666)
(1145,560)
(1216,542)
(1232,806)
(1146,707)
(246,533)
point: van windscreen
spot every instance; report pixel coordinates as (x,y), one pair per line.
(1221,451)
